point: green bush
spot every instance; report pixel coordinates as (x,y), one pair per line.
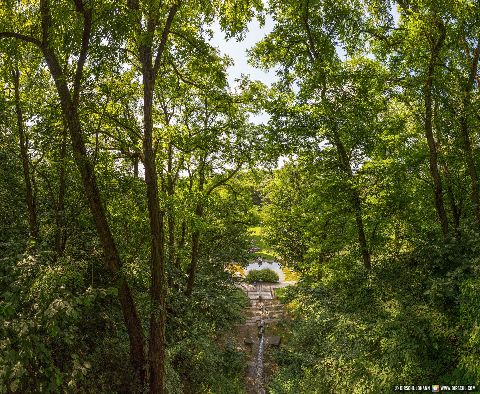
(263,275)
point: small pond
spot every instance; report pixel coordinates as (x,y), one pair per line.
(270,265)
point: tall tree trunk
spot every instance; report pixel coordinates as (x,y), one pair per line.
(433,158)
(171,218)
(30,196)
(135,166)
(150,68)
(111,255)
(194,253)
(452,201)
(192,269)
(464,129)
(61,231)
(181,243)
(451,197)
(69,103)
(157,253)
(355,200)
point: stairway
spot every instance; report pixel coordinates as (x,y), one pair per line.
(263,312)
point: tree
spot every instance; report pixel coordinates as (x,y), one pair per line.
(87,25)
(309,60)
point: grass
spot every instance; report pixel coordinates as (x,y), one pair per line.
(258,241)
(236,268)
(290,276)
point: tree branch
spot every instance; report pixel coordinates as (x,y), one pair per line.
(87,30)
(163,42)
(312,51)
(22,37)
(182,78)
(224,180)
(46,20)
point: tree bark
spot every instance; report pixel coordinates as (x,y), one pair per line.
(61,231)
(433,158)
(454,207)
(112,259)
(194,253)
(196,232)
(343,157)
(150,68)
(111,255)
(157,253)
(30,196)
(181,244)
(171,249)
(135,166)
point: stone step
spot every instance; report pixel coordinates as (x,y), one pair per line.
(256,323)
(266,306)
(265,317)
(273,341)
(271,310)
(265,303)
(255,311)
(270,321)
(262,296)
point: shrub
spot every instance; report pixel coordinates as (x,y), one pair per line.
(263,275)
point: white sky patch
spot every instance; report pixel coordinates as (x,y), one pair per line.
(237,50)
(395,14)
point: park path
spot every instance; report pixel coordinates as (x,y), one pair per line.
(257,336)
